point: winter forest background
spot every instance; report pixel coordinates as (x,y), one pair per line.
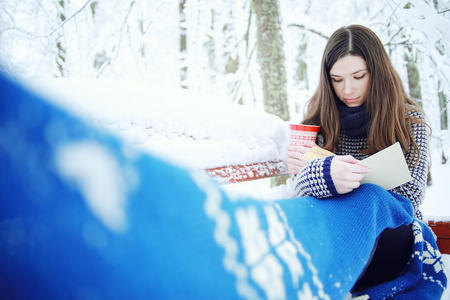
(264,54)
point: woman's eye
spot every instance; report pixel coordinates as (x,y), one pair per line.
(360,77)
(337,80)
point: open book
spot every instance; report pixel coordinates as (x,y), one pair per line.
(388,167)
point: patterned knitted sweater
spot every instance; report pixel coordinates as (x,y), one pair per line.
(315,178)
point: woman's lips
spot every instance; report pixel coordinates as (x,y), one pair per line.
(350,100)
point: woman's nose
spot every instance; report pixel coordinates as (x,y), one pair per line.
(348,87)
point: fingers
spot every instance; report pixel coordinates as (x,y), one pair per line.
(294,165)
(346,174)
(293,154)
(352,166)
(306,146)
(309,144)
(348,158)
(296,151)
(348,188)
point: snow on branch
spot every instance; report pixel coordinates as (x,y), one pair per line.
(67,20)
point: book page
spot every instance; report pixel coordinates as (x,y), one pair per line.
(388,168)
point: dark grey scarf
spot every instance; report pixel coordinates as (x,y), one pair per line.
(354,120)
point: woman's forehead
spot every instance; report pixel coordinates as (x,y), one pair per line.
(348,65)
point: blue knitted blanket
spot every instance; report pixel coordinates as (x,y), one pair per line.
(86,217)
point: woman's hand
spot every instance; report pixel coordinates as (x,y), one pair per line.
(294,163)
(346,174)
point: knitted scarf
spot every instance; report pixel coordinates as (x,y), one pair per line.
(354,120)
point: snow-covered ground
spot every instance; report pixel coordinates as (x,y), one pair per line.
(197,132)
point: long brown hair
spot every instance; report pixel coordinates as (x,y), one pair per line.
(386,101)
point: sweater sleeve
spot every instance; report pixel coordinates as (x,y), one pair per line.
(315,179)
(414,190)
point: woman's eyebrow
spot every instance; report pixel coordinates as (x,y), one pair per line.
(332,75)
(358,71)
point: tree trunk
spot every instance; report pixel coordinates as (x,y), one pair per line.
(301,74)
(415,90)
(210,47)
(231,58)
(443,108)
(272,60)
(444,118)
(60,46)
(183,45)
(301,71)
(271,57)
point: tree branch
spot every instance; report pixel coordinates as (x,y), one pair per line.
(239,84)
(67,20)
(115,52)
(310,29)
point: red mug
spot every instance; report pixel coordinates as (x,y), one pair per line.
(301,133)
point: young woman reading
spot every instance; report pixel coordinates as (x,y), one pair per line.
(362,108)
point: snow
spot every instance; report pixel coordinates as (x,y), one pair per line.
(436,205)
(190,130)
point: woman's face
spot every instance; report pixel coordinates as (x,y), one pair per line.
(350,79)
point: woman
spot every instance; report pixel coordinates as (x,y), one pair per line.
(362,108)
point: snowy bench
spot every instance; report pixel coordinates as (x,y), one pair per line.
(228,142)
(239,173)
